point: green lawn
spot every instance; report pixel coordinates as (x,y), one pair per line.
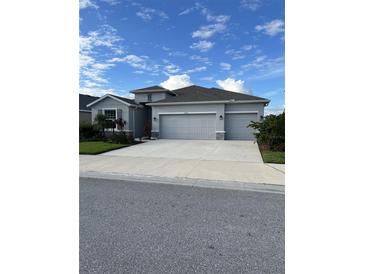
(274,157)
(93,148)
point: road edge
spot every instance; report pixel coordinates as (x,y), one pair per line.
(216,184)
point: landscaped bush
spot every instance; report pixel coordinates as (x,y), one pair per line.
(87,131)
(121,138)
(271,132)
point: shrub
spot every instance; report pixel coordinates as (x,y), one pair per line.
(271,131)
(88,131)
(121,138)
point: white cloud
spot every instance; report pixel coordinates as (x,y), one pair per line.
(106,36)
(218,18)
(177,81)
(171,68)
(202,45)
(271,28)
(236,54)
(264,67)
(101,66)
(97,91)
(147,14)
(111,2)
(218,25)
(251,4)
(197,69)
(197,6)
(83,4)
(208,31)
(248,47)
(232,85)
(225,66)
(138,62)
(85,60)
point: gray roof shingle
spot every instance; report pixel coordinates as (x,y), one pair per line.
(127,100)
(150,88)
(197,94)
(84,100)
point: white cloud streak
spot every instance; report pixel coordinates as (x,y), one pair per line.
(252,5)
(84,4)
(225,66)
(271,28)
(203,45)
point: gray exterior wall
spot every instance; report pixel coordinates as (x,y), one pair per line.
(143,97)
(137,119)
(84,117)
(109,103)
(247,107)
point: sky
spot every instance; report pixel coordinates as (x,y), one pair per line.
(236,45)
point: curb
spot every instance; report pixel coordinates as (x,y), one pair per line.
(217,184)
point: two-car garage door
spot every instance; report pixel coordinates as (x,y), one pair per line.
(203,126)
(187,126)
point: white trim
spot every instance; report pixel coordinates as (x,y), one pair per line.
(111,97)
(155,131)
(84,110)
(189,113)
(242,112)
(116,117)
(210,102)
(220,131)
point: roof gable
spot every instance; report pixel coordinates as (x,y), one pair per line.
(126,101)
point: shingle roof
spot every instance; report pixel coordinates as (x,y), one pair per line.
(127,100)
(197,94)
(152,89)
(84,100)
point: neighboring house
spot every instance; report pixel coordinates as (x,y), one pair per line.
(84,111)
(192,112)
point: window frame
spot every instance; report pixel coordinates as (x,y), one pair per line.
(116,116)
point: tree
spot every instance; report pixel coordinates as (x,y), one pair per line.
(101,122)
(271,131)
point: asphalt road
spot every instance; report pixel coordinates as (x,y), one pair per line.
(129,227)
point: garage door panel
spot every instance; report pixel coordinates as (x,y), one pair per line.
(187,126)
(236,126)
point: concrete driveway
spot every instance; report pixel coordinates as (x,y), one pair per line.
(210,150)
(222,162)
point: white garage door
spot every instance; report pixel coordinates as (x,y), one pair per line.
(187,126)
(236,126)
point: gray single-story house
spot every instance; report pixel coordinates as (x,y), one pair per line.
(84,110)
(192,112)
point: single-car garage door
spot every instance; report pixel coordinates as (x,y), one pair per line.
(236,126)
(187,126)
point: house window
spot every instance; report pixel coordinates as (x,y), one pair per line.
(149,97)
(110,114)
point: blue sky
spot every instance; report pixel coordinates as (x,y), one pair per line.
(236,45)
